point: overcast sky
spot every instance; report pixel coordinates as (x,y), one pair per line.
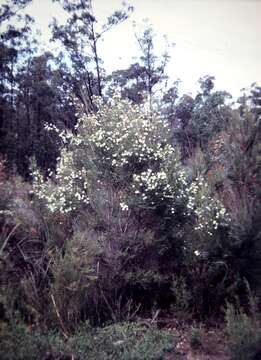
(215,37)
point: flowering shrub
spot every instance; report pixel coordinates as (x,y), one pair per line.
(121,147)
(66,190)
(209,211)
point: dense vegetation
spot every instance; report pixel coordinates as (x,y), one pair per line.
(122,203)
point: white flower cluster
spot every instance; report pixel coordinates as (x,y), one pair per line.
(123,140)
(5,212)
(124,207)
(209,211)
(64,135)
(169,185)
(149,184)
(64,191)
(122,134)
(120,143)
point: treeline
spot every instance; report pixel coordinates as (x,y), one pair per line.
(120,199)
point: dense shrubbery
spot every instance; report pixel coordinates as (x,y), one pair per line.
(123,228)
(121,341)
(244,330)
(122,148)
(124,185)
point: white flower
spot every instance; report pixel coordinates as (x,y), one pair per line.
(124,207)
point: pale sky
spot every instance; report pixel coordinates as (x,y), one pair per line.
(215,37)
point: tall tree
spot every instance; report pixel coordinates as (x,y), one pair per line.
(141,80)
(16,45)
(80,40)
(42,99)
(199,119)
(154,66)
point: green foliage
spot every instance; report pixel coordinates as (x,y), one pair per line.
(17,343)
(244,333)
(72,277)
(182,295)
(238,167)
(124,341)
(201,118)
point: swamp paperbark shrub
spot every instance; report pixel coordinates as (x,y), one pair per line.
(144,209)
(123,147)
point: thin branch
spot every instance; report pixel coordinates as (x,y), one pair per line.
(64,331)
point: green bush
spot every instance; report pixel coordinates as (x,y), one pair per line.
(183,297)
(121,182)
(72,276)
(121,148)
(126,341)
(17,343)
(244,334)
